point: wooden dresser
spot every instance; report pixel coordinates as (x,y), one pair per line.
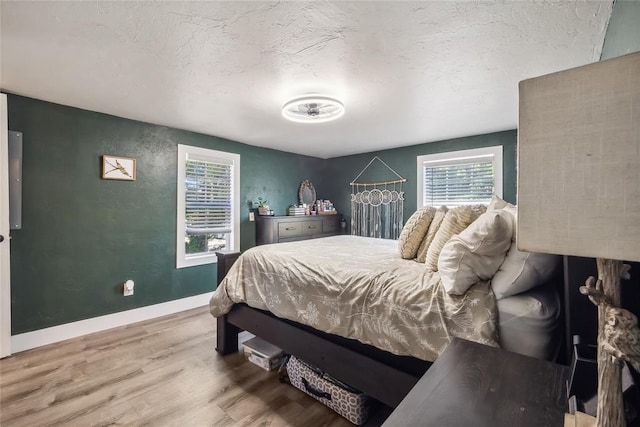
(278,229)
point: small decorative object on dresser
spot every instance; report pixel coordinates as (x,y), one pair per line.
(325,207)
(296,210)
(263,206)
(306,193)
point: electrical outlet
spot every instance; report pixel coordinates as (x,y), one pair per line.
(128,288)
(252,216)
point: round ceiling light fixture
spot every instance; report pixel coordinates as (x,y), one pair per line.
(313,109)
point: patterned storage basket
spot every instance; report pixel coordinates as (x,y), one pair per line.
(351,404)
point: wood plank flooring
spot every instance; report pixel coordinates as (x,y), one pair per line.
(161,372)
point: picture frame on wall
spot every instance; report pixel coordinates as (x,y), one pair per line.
(117,167)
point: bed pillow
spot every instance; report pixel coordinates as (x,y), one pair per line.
(529,322)
(414,231)
(497,203)
(431,233)
(522,271)
(513,210)
(455,220)
(476,253)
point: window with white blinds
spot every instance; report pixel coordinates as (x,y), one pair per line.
(208,207)
(460,177)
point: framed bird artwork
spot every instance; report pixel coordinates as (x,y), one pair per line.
(115,167)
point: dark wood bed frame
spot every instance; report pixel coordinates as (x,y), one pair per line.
(384,376)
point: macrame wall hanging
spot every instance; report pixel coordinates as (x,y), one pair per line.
(376,207)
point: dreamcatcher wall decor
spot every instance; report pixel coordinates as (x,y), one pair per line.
(377,207)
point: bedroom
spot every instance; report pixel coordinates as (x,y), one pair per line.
(92,235)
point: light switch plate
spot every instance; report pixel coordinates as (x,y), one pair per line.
(252,216)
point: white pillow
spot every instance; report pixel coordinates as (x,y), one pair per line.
(522,271)
(476,253)
(496,203)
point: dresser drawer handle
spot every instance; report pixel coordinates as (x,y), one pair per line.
(290,228)
(313,226)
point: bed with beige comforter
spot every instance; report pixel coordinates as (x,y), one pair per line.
(359,288)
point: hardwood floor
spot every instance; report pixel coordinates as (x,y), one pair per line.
(160,372)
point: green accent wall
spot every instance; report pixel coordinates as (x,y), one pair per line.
(623,31)
(83,236)
(341,171)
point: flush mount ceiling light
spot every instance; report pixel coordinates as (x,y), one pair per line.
(313,109)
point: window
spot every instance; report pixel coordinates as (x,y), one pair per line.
(460,177)
(208,205)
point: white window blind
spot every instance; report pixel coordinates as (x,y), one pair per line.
(208,197)
(460,178)
(208,204)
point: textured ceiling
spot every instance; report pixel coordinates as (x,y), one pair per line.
(407,72)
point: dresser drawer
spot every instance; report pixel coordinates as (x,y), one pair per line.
(275,229)
(330,225)
(312,227)
(290,229)
(295,239)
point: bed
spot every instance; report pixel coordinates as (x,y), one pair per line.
(354,308)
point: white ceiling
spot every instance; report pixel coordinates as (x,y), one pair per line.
(407,72)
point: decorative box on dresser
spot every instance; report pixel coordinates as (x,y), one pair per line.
(278,229)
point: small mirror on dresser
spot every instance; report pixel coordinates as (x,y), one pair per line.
(306,193)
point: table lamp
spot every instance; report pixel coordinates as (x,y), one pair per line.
(579,194)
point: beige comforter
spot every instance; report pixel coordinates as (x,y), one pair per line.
(359,287)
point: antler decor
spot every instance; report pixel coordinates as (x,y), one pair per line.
(618,339)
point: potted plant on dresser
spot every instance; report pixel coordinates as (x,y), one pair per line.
(263,206)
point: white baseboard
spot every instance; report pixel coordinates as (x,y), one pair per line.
(29,340)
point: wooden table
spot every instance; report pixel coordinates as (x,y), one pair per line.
(472,384)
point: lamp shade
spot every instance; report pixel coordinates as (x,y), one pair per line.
(579,161)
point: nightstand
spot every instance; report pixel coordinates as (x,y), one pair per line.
(472,384)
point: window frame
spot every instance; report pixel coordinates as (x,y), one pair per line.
(458,157)
(183,259)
